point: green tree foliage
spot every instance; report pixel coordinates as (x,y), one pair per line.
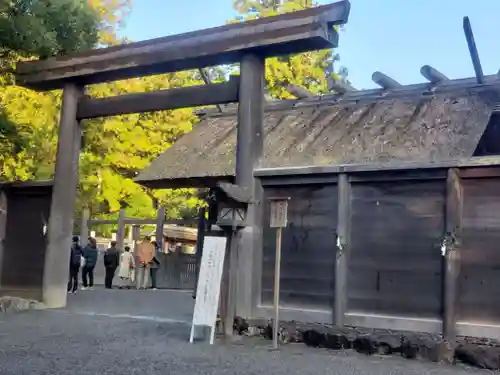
(36,28)
(117,148)
(114,149)
(46,27)
(309,70)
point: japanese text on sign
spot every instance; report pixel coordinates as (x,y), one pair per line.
(279,209)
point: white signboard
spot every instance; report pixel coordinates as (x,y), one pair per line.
(279,209)
(208,289)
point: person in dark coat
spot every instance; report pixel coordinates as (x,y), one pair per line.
(74,265)
(90,254)
(111,261)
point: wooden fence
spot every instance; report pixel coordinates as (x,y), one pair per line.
(420,249)
(177,269)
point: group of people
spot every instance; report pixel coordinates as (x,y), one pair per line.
(86,260)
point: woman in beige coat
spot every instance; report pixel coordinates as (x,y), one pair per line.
(126,272)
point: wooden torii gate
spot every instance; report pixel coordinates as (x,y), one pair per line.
(247,43)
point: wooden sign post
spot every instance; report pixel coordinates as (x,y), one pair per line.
(279,209)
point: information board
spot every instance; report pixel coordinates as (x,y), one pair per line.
(279,208)
(208,288)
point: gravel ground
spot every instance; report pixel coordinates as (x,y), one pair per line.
(129,332)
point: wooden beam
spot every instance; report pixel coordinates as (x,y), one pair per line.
(453,241)
(62,207)
(133,221)
(120,233)
(206,79)
(306,30)
(384,81)
(475,162)
(160,223)
(183,97)
(344,240)
(339,87)
(432,75)
(474,54)
(84,230)
(299,92)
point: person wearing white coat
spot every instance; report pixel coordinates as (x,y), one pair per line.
(126,270)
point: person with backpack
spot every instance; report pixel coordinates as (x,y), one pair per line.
(111,261)
(90,254)
(74,265)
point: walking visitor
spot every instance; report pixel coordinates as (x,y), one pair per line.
(74,265)
(126,271)
(111,261)
(153,266)
(90,254)
(146,253)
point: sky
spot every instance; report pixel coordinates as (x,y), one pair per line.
(395,37)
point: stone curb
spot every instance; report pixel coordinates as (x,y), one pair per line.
(480,353)
(10,304)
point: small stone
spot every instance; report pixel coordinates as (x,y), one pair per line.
(387,343)
(290,333)
(336,341)
(479,356)
(9,304)
(446,352)
(313,338)
(253,331)
(240,325)
(364,344)
(422,346)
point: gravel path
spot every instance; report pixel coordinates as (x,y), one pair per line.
(129,332)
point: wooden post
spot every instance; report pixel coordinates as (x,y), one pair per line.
(451,249)
(120,233)
(230,284)
(249,149)
(278,220)
(200,237)
(84,229)
(343,243)
(277,276)
(136,234)
(249,144)
(55,278)
(224,288)
(160,222)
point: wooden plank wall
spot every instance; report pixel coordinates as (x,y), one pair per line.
(479,281)
(393,264)
(24,248)
(308,248)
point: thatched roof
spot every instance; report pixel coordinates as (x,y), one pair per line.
(414,123)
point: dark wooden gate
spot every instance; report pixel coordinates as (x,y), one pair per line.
(308,248)
(26,210)
(395,265)
(479,282)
